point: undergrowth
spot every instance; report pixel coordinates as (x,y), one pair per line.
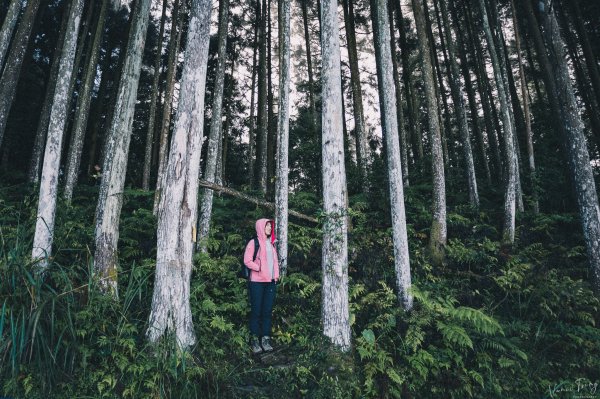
(485,325)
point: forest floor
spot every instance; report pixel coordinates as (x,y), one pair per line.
(487,324)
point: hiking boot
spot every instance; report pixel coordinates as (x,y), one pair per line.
(255,346)
(266,344)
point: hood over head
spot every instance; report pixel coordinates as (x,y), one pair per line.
(260,229)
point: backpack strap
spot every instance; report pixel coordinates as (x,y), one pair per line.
(256,247)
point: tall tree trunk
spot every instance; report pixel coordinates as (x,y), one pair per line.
(44,228)
(40,136)
(438,87)
(8,26)
(460,110)
(438,235)
(526,113)
(389,118)
(222,163)
(362,153)
(272,123)
(517,118)
(83,107)
(466,75)
(170,311)
(508,233)
(14,61)
(590,58)
(262,114)
(154,100)
(309,67)
(543,60)
(335,308)
(110,199)
(398,93)
(282,181)
(174,41)
(585,92)
(252,129)
(106,80)
(572,126)
(214,137)
(447,132)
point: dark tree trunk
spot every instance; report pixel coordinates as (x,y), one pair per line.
(153,101)
(14,61)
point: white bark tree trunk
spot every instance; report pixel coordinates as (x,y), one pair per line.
(283,136)
(83,107)
(508,234)
(214,137)
(170,311)
(387,101)
(110,199)
(579,160)
(335,311)
(438,235)
(8,26)
(39,143)
(44,227)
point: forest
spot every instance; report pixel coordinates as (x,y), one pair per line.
(429,170)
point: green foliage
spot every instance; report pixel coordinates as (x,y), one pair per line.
(484,325)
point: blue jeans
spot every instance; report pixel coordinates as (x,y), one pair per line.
(262,298)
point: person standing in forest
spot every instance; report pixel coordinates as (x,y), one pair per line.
(262,283)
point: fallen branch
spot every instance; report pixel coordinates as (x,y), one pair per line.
(245,197)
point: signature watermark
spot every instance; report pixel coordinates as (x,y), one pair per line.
(581,388)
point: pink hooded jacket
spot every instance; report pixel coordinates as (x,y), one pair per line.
(259,268)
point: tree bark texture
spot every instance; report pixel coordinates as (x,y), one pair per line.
(39,143)
(8,26)
(335,307)
(438,235)
(214,136)
(14,61)
(398,92)
(44,227)
(171,311)
(572,125)
(252,122)
(388,108)
(283,125)
(110,199)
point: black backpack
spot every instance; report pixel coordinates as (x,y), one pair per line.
(244,271)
